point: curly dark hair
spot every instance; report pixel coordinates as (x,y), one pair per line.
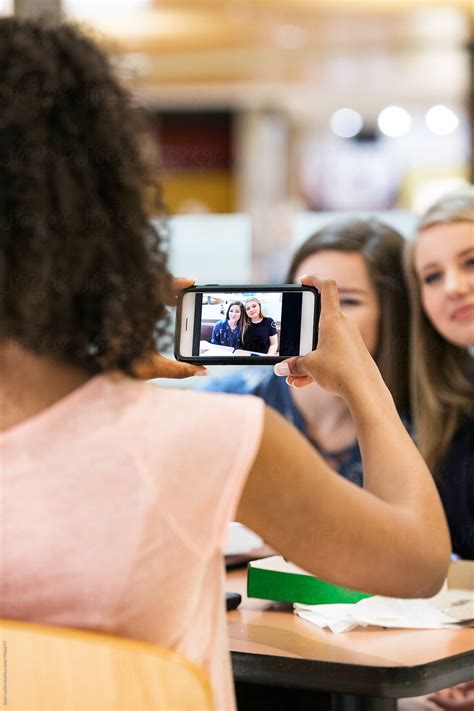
(83,272)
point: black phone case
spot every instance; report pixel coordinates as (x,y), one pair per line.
(240,360)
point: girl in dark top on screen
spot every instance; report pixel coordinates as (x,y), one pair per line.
(440,270)
(259,332)
(227,332)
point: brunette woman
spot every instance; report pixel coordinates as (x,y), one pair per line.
(227,332)
(365,259)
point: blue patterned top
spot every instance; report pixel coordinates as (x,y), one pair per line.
(223,335)
(262,381)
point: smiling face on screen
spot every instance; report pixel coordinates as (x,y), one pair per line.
(234,313)
(253,310)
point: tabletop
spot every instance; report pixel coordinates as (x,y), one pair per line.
(271,645)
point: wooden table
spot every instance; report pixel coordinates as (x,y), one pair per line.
(363,669)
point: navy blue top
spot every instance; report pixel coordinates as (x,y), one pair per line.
(223,335)
(455,482)
(257,335)
(262,381)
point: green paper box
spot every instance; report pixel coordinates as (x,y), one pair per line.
(276,579)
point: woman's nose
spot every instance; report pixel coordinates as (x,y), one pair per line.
(457,283)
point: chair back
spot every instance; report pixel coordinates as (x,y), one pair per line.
(51,668)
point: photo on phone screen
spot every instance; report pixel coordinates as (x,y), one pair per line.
(247,324)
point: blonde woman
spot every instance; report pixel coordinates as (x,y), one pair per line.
(440,270)
(259,332)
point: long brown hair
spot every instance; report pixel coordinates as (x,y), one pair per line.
(381,248)
(442,391)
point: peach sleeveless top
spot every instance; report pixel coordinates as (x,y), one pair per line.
(114,508)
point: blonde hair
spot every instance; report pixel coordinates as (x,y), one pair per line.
(245,319)
(442,391)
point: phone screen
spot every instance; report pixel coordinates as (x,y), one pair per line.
(247,324)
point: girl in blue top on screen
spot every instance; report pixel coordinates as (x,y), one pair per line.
(228,331)
(259,332)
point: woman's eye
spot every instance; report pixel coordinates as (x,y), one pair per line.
(349,302)
(469,263)
(431,278)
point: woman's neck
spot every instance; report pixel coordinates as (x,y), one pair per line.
(30,383)
(257,319)
(327,418)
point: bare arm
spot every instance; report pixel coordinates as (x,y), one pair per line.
(273,345)
(390,538)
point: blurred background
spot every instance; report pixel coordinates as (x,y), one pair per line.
(267,116)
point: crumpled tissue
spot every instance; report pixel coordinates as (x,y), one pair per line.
(382,611)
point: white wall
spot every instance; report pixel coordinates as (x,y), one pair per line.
(212,249)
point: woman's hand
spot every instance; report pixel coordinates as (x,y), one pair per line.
(157,366)
(341,361)
(458,698)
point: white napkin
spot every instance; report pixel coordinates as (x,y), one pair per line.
(386,612)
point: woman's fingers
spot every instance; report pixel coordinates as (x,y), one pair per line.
(157,366)
(294,369)
(178,284)
(341,357)
(160,367)
(458,698)
(330,305)
(299,381)
(291,366)
(295,372)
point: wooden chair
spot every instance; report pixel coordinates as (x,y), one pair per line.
(51,668)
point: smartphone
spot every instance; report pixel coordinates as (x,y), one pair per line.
(249,324)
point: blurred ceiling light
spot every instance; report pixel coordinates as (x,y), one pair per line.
(346,123)
(394,121)
(441,120)
(289,36)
